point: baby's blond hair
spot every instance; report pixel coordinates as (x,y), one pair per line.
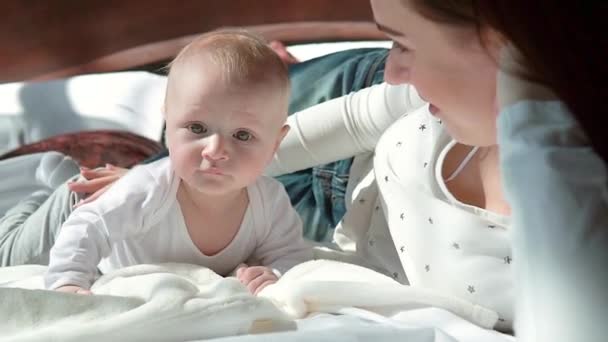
(243,57)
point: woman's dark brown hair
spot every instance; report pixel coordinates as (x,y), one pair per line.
(564,44)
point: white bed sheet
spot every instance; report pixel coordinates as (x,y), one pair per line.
(420,325)
(319,300)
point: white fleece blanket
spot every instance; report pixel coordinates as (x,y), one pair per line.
(173,302)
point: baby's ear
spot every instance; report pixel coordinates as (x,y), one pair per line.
(284,130)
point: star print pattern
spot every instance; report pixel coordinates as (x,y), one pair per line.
(435,241)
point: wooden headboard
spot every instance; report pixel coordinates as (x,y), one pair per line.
(44,39)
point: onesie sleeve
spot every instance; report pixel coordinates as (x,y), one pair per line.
(89,232)
(281,245)
(556,186)
(343,127)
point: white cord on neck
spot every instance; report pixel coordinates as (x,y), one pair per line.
(462,165)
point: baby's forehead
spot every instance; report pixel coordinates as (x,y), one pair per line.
(194,95)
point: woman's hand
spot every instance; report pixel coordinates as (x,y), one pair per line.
(96,181)
(255,277)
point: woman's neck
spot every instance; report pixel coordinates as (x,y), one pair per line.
(478,184)
(490,178)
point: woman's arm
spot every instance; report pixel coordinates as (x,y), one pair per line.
(342,127)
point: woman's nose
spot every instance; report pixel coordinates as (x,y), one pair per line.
(396,70)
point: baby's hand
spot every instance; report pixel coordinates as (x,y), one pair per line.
(73,289)
(255,277)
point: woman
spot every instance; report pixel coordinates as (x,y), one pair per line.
(552,149)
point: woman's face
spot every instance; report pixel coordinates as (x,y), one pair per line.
(448,66)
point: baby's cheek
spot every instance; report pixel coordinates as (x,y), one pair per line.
(255,167)
(184,159)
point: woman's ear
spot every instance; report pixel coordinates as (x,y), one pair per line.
(493,42)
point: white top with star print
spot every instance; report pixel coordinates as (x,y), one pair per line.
(400,215)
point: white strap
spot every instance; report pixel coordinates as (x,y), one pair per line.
(462,165)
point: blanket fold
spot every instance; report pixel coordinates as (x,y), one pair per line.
(178,302)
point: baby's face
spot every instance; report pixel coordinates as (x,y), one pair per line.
(221,136)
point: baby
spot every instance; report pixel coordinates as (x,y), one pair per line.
(207,204)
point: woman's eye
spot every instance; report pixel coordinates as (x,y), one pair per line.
(243,136)
(197,128)
(399,47)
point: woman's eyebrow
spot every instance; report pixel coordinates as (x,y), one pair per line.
(389,30)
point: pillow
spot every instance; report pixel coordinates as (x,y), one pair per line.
(95,148)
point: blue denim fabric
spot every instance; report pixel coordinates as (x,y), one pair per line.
(317,193)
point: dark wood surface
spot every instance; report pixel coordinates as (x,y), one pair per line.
(41,37)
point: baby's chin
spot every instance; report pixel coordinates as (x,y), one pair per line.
(216,186)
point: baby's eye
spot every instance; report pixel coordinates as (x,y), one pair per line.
(197,128)
(243,136)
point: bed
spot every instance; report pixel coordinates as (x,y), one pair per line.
(66,73)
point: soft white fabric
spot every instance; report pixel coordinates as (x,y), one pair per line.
(22,176)
(176,302)
(131,101)
(400,215)
(139,221)
(329,286)
(128,101)
(418,325)
(169,302)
